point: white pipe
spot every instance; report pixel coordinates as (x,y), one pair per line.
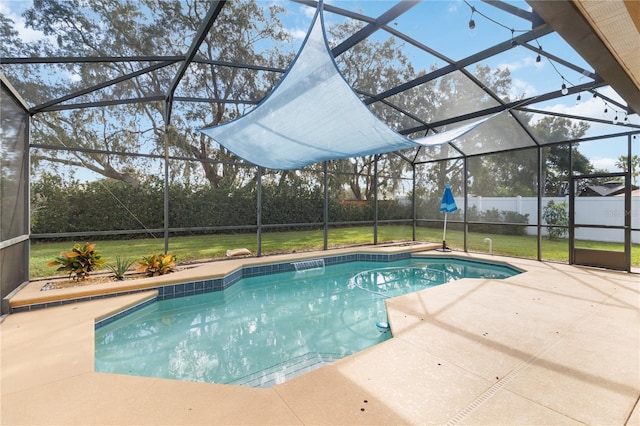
(488,240)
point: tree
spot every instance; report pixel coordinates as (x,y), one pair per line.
(122,28)
(623,164)
(556,163)
(556,214)
(95,138)
(237,38)
(372,67)
(498,174)
(515,172)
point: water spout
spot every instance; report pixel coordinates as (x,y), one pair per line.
(304,265)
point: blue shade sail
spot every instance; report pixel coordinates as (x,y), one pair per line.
(314,115)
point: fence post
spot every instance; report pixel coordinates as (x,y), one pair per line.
(519,204)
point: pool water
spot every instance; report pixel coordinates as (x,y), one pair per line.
(265,330)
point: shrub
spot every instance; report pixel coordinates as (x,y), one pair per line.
(157,264)
(494,220)
(556,214)
(81,260)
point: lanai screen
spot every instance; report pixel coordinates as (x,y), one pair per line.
(314,115)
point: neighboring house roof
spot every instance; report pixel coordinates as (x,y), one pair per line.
(634,193)
(606,190)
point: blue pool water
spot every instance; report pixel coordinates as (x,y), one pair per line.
(267,329)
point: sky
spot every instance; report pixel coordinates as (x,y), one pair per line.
(443,26)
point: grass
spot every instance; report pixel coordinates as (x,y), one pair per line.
(207,247)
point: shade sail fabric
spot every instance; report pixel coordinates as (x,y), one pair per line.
(314,115)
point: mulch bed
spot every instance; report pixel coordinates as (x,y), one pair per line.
(58,283)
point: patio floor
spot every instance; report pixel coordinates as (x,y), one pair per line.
(554,345)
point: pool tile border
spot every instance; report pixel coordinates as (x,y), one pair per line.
(191,288)
(217,284)
(53,303)
(117,315)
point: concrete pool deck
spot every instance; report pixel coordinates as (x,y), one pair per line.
(555,345)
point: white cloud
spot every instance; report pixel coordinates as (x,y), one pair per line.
(604,163)
(521,88)
(454,6)
(12,10)
(297,34)
(526,63)
(588,107)
(74,77)
(592,107)
(523,83)
(308,11)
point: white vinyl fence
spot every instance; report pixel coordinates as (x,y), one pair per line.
(589,211)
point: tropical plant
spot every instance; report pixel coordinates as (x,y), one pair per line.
(81,260)
(157,264)
(556,214)
(120,268)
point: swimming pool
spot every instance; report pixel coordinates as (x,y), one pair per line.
(267,329)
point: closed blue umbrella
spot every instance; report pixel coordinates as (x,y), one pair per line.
(447,205)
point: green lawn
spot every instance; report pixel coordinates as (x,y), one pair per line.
(202,247)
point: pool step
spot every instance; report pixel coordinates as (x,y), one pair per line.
(287,370)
